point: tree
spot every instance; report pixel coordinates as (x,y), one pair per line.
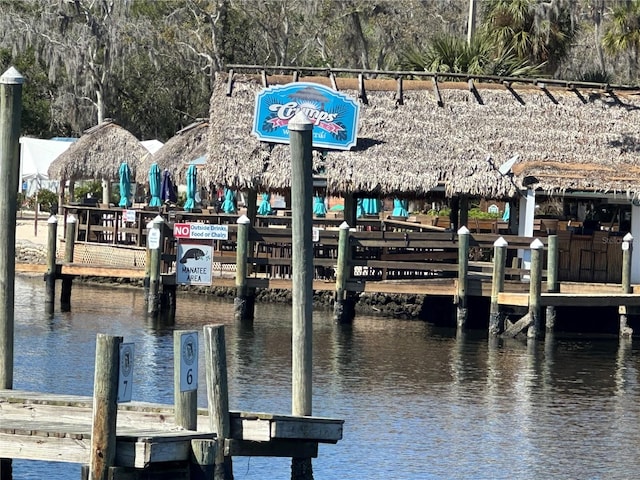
(622,34)
(451,53)
(83,39)
(540,31)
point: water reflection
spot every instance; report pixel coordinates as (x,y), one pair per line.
(419,402)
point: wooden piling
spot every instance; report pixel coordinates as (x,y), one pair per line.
(218,396)
(341,312)
(147,267)
(463,272)
(627,251)
(105,406)
(50,275)
(10,111)
(535,287)
(154,245)
(301,139)
(252,213)
(67,280)
(240,311)
(496,318)
(185,400)
(552,278)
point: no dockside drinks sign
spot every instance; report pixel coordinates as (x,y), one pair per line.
(195,251)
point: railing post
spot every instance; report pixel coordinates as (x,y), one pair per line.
(218,396)
(10,111)
(50,276)
(627,251)
(552,278)
(535,287)
(67,281)
(154,245)
(463,272)
(341,312)
(242,242)
(496,319)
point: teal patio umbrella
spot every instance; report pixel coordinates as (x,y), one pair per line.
(192,185)
(319,208)
(367,206)
(371,206)
(507,212)
(265,205)
(400,208)
(155,184)
(229,203)
(125,186)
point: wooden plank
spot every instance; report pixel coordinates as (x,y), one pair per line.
(571,300)
(101,271)
(276,448)
(420,256)
(258,430)
(52,448)
(142,453)
(426,287)
(317,431)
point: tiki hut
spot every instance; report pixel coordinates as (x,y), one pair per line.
(187,145)
(98,154)
(421,135)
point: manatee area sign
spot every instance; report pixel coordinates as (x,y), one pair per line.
(195,251)
(334,114)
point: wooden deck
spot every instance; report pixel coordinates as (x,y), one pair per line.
(53,427)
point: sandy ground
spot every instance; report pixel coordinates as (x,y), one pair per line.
(28,231)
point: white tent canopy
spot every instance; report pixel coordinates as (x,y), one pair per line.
(152,145)
(35,157)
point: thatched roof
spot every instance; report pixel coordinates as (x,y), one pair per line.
(98,154)
(187,145)
(565,139)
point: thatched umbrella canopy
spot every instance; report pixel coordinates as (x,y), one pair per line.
(98,154)
(565,139)
(187,145)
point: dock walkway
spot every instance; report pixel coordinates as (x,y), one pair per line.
(55,427)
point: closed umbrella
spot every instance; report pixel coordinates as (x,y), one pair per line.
(400,208)
(125,186)
(507,212)
(265,205)
(229,203)
(319,208)
(155,185)
(370,206)
(192,185)
(168,193)
(367,206)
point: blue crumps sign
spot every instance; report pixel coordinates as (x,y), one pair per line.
(334,114)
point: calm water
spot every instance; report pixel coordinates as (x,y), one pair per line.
(418,403)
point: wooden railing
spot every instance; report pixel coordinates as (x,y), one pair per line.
(381,249)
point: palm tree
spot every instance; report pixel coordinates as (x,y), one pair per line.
(539,31)
(623,33)
(448,53)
